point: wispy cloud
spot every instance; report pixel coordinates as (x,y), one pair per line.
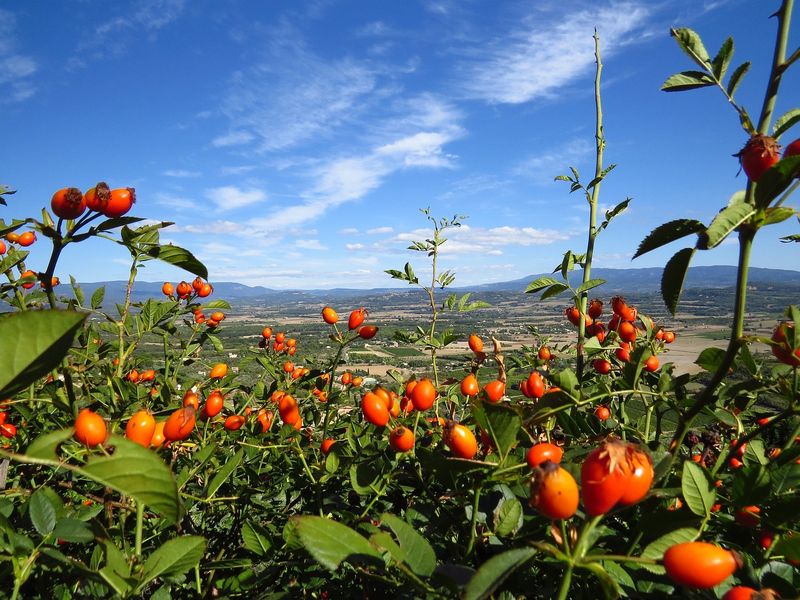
(232,138)
(292,95)
(180,173)
(173,201)
(542,168)
(380,230)
(16,70)
(544,54)
(145,18)
(230,197)
(310,245)
(490,241)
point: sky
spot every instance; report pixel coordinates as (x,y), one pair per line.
(293,144)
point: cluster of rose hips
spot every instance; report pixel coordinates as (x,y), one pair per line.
(70,203)
(7,430)
(187,291)
(279,344)
(355,321)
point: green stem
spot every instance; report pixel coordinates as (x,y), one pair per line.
(784,15)
(593,201)
(474,522)
(139,526)
(566,581)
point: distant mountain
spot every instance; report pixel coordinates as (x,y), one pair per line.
(617,280)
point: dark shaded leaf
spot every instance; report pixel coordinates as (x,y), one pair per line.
(668,233)
(673,278)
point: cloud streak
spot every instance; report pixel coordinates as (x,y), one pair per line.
(541,56)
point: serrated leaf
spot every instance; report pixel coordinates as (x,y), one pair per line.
(726,221)
(589,285)
(778,214)
(41,512)
(723,58)
(73,531)
(541,283)
(697,488)
(507,516)
(736,77)
(690,42)
(495,571)
(174,557)
(673,278)
(710,359)
(180,257)
(668,233)
(785,122)
(45,446)
(687,80)
(554,290)
(97,297)
(137,472)
(34,342)
(222,475)
(419,554)
(655,550)
(776,179)
(256,538)
(331,543)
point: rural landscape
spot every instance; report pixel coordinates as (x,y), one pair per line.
(578,432)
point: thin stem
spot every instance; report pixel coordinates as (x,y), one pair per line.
(474,523)
(566,581)
(593,200)
(784,16)
(139,526)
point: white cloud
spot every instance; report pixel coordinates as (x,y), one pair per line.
(292,96)
(348,231)
(181,173)
(543,55)
(380,230)
(354,246)
(174,201)
(237,170)
(544,167)
(232,138)
(422,149)
(491,241)
(310,245)
(145,17)
(16,69)
(230,197)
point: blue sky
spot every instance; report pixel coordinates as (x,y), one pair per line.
(292,143)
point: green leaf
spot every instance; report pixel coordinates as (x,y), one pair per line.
(554,290)
(723,58)
(256,538)
(42,512)
(227,469)
(76,289)
(33,342)
(656,549)
(778,214)
(591,284)
(495,571)
(726,221)
(331,543)
(73,531)
(45,446)
(776,179)
(687,80)
(710,359)
(673,278)
(540,284)
(698,489)
(692,45)
(736,77)
(174,557)
(668,233)
(179,257)
(785,122)
(507,517)
(410,274)
(419,555)
(137,472)
(97,297)
(788,547)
